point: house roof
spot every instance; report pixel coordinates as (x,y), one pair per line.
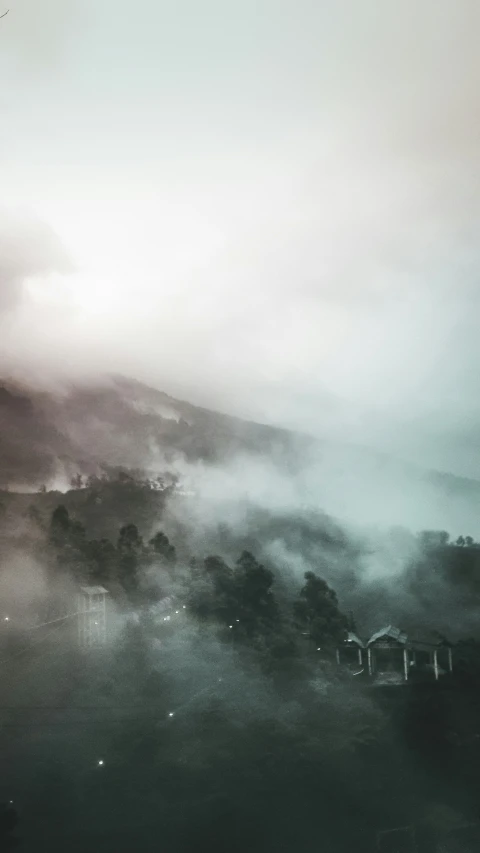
(352,638)
(391,633)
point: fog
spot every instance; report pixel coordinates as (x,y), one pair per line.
(270,210)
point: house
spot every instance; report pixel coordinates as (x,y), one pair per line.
(352,651)
(393,656)
(388,654)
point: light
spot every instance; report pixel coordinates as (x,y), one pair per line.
(184,606)
(177,611)
(230,626)
(100,762)
(319,649)
(171,714)
(237,620)
(7,618)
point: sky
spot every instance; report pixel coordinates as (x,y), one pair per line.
(269,207)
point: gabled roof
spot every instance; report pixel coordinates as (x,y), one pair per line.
(352,638)
(390,633)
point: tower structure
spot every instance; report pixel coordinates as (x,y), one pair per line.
(92,616)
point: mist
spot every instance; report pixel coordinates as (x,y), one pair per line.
(311,265)
(238,345)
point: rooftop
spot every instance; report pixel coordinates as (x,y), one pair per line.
(390,633)
(352,638)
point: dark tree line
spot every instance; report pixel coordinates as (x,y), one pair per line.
(240,599)
(383,760)
(100,560)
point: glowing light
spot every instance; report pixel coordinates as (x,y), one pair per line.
(184,606)
(100,762)
(237,620)
(230,626)
(171,714)
(177,611)
(7,618)
(319,649)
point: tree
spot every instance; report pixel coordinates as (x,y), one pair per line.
(130,549)
(129,538)
(59,526)
(254,592)
(212,590)
(317,612)
(103,556)
(461,542)
(225,601)
(68,538)
(76,481)
(431,539)
(162,548)
(77,534)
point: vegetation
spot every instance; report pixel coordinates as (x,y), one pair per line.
(215,715)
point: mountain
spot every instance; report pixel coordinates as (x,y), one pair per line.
(48,436)
(119,423)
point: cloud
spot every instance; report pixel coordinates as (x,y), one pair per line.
(285,207)
(29,249)
(35,36)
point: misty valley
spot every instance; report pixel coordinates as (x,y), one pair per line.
(239,426)
(196,657)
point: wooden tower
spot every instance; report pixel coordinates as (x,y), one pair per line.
(92,617)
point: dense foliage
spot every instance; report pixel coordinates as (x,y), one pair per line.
(220,715)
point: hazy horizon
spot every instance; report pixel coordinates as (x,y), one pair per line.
(271,209)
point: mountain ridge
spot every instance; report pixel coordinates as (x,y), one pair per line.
(47,437)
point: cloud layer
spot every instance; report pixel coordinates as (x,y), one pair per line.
(272,210)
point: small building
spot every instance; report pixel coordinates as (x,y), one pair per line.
(393,656)
(392,652)
(431,656)
(92,616)
(352,651)
(388,653)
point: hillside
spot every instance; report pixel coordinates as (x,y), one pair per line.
(48,437)
(120,422)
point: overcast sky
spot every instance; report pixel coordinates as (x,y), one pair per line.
(254,204)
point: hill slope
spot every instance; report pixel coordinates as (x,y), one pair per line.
(47,437)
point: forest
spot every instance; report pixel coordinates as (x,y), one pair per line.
(216,709)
